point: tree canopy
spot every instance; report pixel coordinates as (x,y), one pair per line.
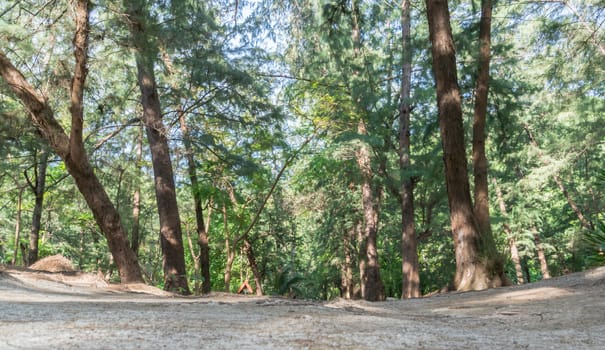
(305,147)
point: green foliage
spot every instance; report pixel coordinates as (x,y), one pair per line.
(595,245)
(250,89)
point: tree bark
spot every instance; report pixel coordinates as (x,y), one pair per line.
(541,255)
(136,199)
(480,166)
(18,228)
(202,228)
(476,266)
(347,280)
(171,237)
(512,242)
(254,267)
(410,287)
(196,264)
(229,251)
(372,288)
(38,187)
(76,161)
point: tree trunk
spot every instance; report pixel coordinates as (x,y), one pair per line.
(171,237)
(196,264)
(70,151)
(347,281)
(409,253)
(476,266)
(202,229)
(480,165)
(136,200)
(541,255)
(229,251)
(253,267)
(512,242)
(38,187)
(372,288)
(18,228)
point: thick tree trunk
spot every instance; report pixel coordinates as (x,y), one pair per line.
(479,121)
(254,267)
(38,187)
(171,237)
(70,151)
(202,228)
(476,266)
(541,255)
(409,254)
(372,288)
(512,242)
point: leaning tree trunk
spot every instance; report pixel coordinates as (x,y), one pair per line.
(38,187)
(171,238)
(253,266)
(409,253)
(71,149)
(476,267)
(372,288)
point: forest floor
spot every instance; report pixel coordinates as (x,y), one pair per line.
(79,311)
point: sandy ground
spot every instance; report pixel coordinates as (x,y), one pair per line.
(78,311)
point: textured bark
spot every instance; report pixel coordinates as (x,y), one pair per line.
(410,287)
(372,288)
(38,187)
(541,255)
(476,267)
(171,237)
(136,200)
(480,166)
(202,228)
(512,242)
(77,163)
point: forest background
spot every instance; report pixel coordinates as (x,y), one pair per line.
(290,157)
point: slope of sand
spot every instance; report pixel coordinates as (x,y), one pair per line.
(73,310)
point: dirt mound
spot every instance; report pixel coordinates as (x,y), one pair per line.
(55,263)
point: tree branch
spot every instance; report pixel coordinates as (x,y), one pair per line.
(273,186)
